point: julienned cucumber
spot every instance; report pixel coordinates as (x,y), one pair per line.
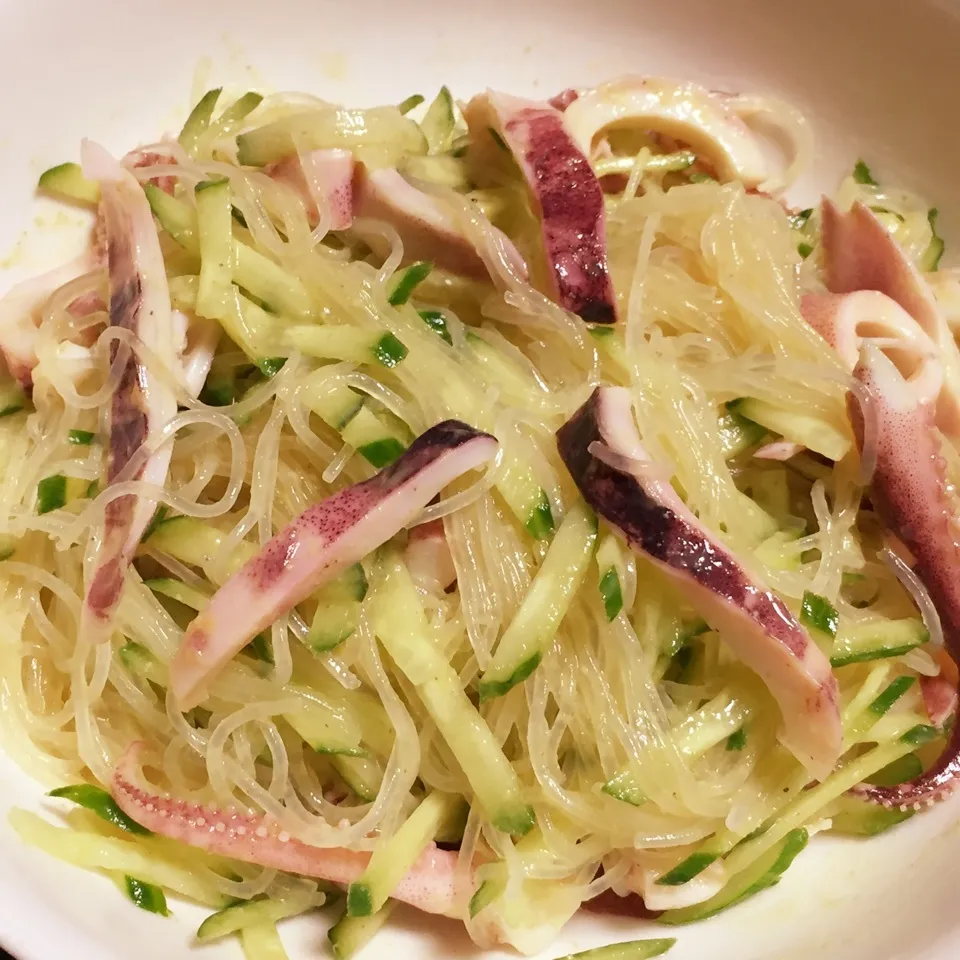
(439,122)
(196,543)
(147,896)
(689,868)
(493,881)
(414,100)
(248,913)
(253,271)
(764,872)
(8,546)
(350,934)
(101,803)
(12,397)
(363,775)
(346,343)
(405,282)
(381,127)
(624,786)
(215,294)
(326,729)
(738,434)
(808,805)
(333,402)
(199,120)
(808,430)
(324,723)
(256,332)
(400,623)
(819,613)
(56,491)
(630,950)
(192,597)
(527,500)
(861,818)
(394,857)
(338,610)
(932,255)
(349,414)
(874,640)
(67,182)
(234,115)
(546,604)
(609,563)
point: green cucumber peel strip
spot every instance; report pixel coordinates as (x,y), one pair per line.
(628,950)
(490,890)
(350,934)
(51,493)
(920,734)
(611,593)
(98,801)
(624,787)
(540,524)
(934,252)
(245,913)
(859,643)
(146,896)
(414,100)
(67,182)
(401,290)
(862,818)
(389,351)
(737,740)
(536,622)
(81,438)
(381,453)
(435,321)
(764,873)
(862,174)
(894,691)
(685,871)
(900,771)
(199,119)
(819,613)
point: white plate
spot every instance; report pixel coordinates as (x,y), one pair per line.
(878,77)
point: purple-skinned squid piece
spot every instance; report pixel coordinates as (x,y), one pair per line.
(141,405)
(565,193)
(886,331)
(601,448)
(317,546)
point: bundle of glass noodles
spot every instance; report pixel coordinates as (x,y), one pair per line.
(480,508)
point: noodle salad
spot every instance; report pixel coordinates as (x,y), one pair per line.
(483,506)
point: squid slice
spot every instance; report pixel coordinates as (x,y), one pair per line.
(602,450)
(323,177)
(20,309)
(427,228)
(565,193)
(428,557)
(859,254)
(317,546)
(142,405)
(429,886)
(685,111)
(898,365)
